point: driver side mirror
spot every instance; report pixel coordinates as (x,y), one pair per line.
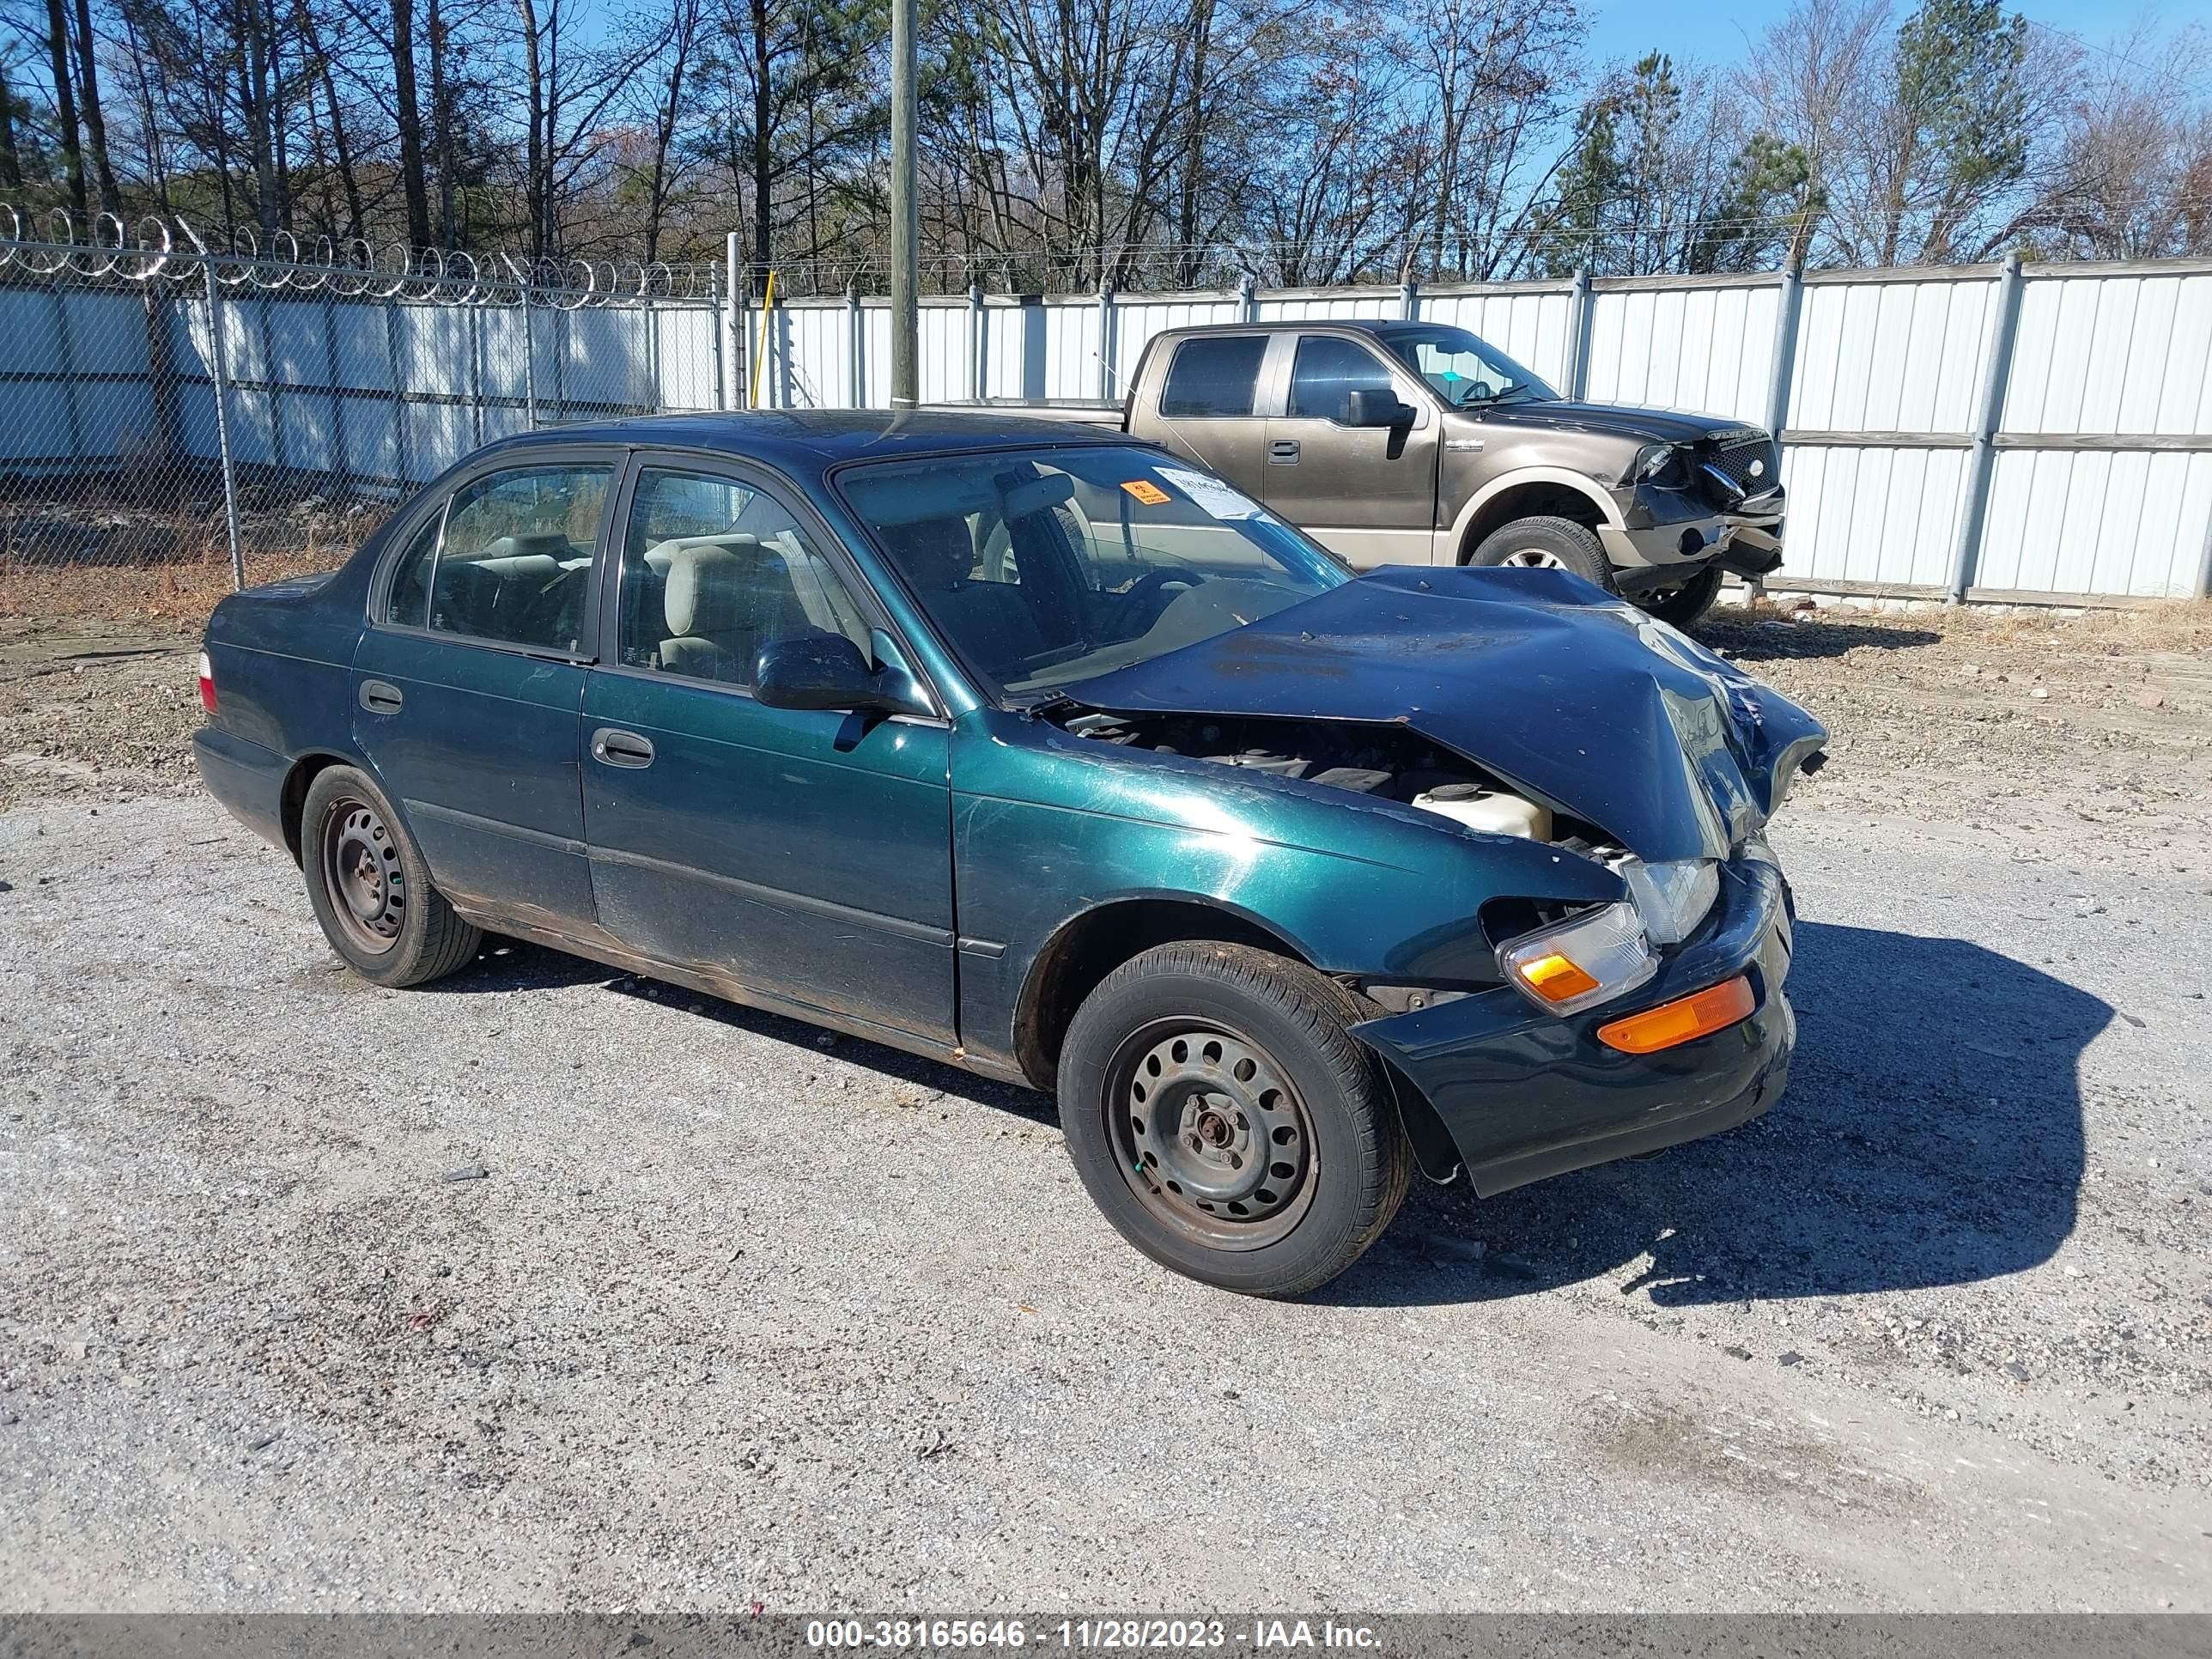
(820,671)
(1373,406)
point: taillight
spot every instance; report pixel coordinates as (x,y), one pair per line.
(206,684)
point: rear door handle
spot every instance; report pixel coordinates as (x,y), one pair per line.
(618,748)
(1283,452)
(380,697)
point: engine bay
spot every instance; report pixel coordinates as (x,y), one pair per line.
(1393,763)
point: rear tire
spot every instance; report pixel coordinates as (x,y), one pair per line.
(370,888)
(1682,606)
(1226,1121)
(1547,543)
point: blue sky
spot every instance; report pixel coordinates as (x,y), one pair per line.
(1715,31)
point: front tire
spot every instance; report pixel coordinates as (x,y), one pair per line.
(370,888)
(1226,1122)
(1547,543)
(1683,606)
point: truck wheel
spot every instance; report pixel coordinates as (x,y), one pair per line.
(1224,1120)
(1684,602)
(370,888)
(1547,543)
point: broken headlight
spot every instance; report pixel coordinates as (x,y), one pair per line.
(1655,463)
(1672,898)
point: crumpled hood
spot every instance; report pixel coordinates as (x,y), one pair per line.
(1535,675)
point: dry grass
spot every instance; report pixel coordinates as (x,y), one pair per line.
(2183,626)
(169,594)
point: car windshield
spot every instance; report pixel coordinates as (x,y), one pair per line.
(1048,568)
(1466,371)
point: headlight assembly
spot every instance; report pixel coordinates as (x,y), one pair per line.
(1672,898)
(1651,463)
(1599,955)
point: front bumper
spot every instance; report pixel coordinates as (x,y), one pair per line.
(1663,530)
(1525,1095)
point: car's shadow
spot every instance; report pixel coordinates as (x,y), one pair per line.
(508,964)
(1765,638)
(1931,1135)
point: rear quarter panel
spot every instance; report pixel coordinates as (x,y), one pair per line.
(281,657)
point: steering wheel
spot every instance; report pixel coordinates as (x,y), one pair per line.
(1151,582)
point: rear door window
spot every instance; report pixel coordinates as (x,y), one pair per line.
(1213,376)
(1328,371)
(514,563)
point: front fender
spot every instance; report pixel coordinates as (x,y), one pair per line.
(1047,827)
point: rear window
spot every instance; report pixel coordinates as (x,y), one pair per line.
(1213,376)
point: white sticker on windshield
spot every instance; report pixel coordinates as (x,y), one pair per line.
(1211,495)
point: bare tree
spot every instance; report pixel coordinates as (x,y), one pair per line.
(2135,173)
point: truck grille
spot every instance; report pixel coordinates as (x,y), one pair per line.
(1751,464)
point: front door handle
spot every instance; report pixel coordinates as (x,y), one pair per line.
(1283,452)
(618,748)
(380,697)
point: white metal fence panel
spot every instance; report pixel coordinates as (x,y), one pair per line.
(1887,516)
(944,353)
(1071,348)
(814,355)
(1534,327)
(1709,348)
(2098,521)
(1347,305)
(2112,354)
(1013,341)
(1891,356)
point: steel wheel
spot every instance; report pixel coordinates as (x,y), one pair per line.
(361,873)
(1213,1138)
(1533,558)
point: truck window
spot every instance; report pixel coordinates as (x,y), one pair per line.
(1213,377)
(1330,370)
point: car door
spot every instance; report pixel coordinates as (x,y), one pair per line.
(1207,406)
(804,854)
(1368,494)
(468,682)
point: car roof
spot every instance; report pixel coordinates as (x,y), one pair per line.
(812,440)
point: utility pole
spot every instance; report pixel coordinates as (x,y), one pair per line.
(906,210)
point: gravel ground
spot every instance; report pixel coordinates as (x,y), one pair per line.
(548,1287)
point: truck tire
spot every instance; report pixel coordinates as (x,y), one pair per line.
(1226,1122)
(370,888)
(1547,543)
(1683,606)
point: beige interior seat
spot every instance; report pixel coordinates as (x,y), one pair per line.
(722,603)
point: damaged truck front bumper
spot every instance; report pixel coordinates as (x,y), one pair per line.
(1524,1095)
(1666,533)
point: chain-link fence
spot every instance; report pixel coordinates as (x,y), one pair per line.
(176,420)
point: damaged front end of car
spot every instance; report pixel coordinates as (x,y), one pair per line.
(1613,778)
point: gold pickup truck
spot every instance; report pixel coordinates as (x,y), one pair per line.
(1419,443)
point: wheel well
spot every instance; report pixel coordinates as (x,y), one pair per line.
(293,803)
(1530,501)
(1092,945)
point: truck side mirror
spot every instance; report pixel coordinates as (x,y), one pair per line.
(1376,406)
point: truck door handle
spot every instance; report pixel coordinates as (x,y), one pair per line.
(380,697)
(618,747)
(1283,452)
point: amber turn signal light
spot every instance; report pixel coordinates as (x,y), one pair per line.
(1557,980)
(1713,1009)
